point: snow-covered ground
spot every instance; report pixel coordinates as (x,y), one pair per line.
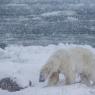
(24,63)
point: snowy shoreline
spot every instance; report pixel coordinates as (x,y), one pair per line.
(25,62)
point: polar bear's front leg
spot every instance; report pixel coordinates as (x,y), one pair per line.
(54,78)
(70,77)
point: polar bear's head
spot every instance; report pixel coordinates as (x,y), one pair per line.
(44,73)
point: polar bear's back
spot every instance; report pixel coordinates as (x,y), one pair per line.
(76,56)
(82,54)
(76,52)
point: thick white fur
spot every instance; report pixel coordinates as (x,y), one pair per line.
(72,61)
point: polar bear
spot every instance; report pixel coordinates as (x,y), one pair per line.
(70,62)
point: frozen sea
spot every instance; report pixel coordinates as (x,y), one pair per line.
(44,22)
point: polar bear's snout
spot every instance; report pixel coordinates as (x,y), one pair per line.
(44,74)
(41,78)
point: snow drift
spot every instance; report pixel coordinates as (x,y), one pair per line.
(25,63)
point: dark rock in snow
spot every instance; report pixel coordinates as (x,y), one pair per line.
(10,85)
(3,45)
